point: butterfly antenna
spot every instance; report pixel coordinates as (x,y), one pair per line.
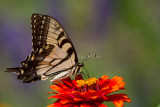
(87,57)
(87,72)
(82,73)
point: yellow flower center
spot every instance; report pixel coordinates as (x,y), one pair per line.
(87,82)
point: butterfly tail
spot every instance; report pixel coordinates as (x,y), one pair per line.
(14,70)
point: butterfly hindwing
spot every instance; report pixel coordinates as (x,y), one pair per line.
(53,53)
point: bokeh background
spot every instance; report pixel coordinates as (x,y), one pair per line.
(124,34)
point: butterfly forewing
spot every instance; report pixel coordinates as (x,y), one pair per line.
(63,56)
(53,53)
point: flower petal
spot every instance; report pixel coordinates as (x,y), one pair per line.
(60,87)
(50,105)
(52,93)
(69,94)
(88,105)
(118,99)
(100,104)
(64,101)
(104,77)
(67,82)
(118,81)
(57,88)
(118,103)
(103,81)
(112,85)
(55,105)
(63,96)
(77,99)
(64,87)
(78,77)
(74,83)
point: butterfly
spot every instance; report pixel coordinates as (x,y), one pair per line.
(53,53)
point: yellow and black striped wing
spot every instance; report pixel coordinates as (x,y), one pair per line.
(50,37)
(48,31)
(53,53)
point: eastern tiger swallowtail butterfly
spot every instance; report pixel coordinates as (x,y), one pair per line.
(53,53)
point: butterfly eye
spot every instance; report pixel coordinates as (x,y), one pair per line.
(80,64)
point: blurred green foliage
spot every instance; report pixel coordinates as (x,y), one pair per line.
(123,33)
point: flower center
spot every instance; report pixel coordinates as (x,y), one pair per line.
(88,84)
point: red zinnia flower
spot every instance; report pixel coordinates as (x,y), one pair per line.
(88,93)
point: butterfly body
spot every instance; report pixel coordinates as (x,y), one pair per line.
(53,53)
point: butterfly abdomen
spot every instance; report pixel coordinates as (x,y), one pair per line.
(77,69)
